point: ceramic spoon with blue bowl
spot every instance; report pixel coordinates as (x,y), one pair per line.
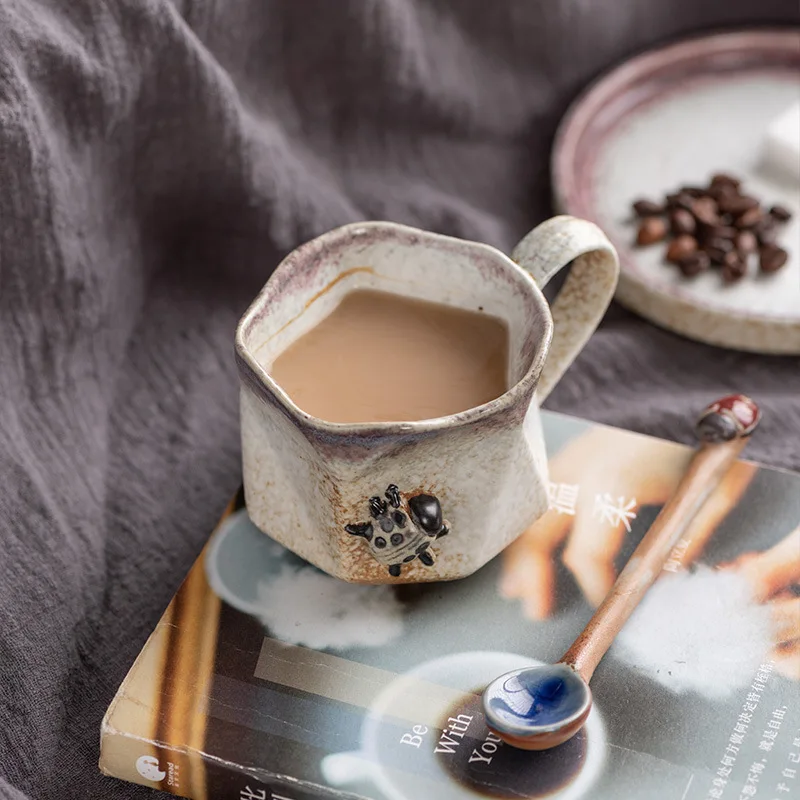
(537,708)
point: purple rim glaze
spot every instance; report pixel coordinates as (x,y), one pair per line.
(513,404)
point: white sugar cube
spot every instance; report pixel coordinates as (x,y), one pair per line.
(782,145)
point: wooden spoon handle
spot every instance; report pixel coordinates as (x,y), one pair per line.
(724,428)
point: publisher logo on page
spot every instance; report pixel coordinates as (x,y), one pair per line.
(147,767)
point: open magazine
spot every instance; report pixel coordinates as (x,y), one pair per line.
(266,679)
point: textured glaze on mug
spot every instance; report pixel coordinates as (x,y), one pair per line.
(319,487)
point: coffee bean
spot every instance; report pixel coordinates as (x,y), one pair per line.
(706,232)
(680,200)
(780,213)
(681,246)
(734,272)
(647,208)
(722,193)
(746,242)
(724,178)
(717,248)
(681,222)
(766,230)
(705,211)
(694,263)
(719,232)
(720,242)
(732,258)
(749,218)
(772,258)
(693,191)
(715,255)
(736,204)
(652,229)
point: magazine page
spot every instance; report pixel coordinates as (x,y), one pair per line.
(376,689)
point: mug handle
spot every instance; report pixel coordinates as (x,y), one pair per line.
(586,293)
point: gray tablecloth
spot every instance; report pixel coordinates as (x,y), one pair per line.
(156,161)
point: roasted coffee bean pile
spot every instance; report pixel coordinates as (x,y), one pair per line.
(714,226)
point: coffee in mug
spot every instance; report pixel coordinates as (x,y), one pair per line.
(381,357)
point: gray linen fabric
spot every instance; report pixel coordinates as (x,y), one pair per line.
(156,161)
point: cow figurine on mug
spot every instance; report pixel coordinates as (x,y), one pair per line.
(405,528)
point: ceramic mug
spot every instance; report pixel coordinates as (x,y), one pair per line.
(372,502)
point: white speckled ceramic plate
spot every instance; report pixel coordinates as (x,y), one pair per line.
(673,117)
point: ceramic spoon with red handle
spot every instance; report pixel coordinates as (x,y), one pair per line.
(537,708)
